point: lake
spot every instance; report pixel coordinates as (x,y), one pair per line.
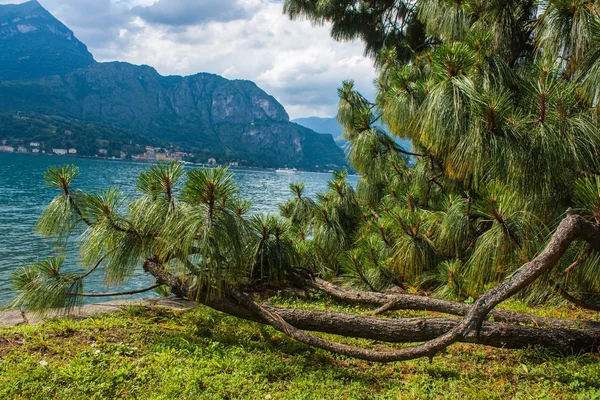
(23,197)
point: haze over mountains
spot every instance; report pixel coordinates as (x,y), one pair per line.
(324,125)
(49,82)
(331,126)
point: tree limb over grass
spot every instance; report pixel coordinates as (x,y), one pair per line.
(469,329)
(201,248)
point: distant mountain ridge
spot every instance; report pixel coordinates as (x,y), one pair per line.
(34,44)
(323,125)
(230,120)
(331,126)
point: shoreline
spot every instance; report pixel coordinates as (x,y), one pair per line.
(149,162)
(13,317)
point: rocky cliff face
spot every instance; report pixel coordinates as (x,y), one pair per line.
(134,95)
(232,120)
(34,44)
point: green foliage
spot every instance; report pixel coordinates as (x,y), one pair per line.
(195,226)
(273,251)
(448,280)
(378,24)
(206,232)
(368,265)
(42,286)
(500,102)
(587,191)
(59,218)
(299,210)
(52,131)
(205,354)
(161,180)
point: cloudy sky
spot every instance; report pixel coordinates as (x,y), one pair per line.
(294,61)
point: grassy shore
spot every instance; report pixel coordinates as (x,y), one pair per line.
(163,354)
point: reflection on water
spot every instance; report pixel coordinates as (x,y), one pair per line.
(23,197)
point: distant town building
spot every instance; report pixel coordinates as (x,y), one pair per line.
(123,154)
(233,164)
(34,144)
(212,161)
(151,149)
(68,132)
(103,151)
(21,149)
(3,142)
(35,150)
(163,157)
(7,149)
(60,152)
(72,151)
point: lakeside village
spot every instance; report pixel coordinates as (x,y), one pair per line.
(151,154)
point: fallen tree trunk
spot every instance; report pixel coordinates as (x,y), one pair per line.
(395,301)
(393,330)
(412,330)
(437,333)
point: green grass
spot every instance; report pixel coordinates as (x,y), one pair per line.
(161,354)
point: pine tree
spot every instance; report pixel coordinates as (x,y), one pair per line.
(499,196)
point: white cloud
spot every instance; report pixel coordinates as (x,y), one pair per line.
(186,12)
(294,61)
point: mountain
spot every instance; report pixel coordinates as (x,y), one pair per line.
(331,126)
(230,120)
(34,44)
(205,114)
(323,125)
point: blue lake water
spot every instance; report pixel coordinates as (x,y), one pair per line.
(23,197)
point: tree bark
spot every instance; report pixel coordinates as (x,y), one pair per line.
(409,330)
(438,333)
(398,301)
(412,330)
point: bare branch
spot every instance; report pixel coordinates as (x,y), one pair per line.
(116,293)
(398,301)
(469,329)
(85,275)
(567,296)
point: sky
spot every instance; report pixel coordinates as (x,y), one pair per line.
(296,62)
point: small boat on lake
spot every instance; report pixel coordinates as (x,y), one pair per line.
(286,170)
